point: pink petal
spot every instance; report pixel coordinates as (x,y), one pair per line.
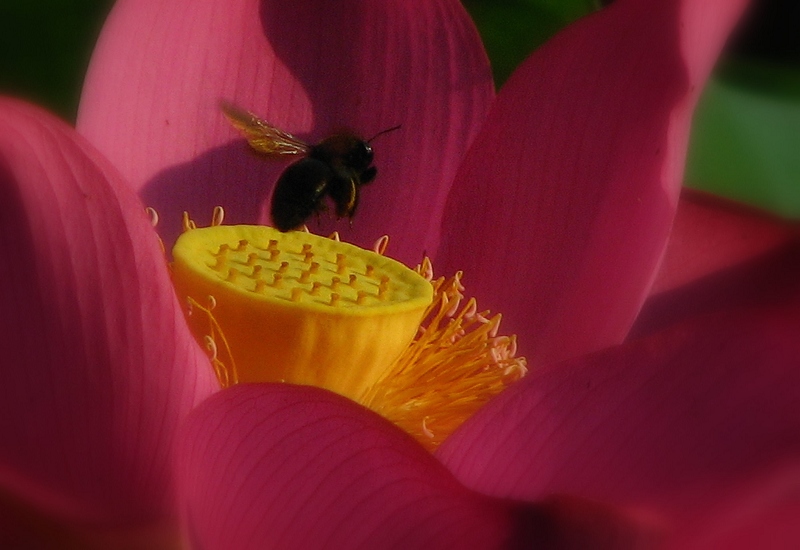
(150,102)
(299,467)
(711,234)
(759,513)
(721,255)
(572,184)
(98,365)
(687,423)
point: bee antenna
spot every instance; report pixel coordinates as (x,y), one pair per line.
(392,129)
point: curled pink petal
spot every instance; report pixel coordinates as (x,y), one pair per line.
(711,234)
(720,256)
(570,188)
(770,278)
(685,423)
(300,467)
(98,365)
(150,102)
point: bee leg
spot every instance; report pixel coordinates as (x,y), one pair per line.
(368,175)
(322,207)
(344,193)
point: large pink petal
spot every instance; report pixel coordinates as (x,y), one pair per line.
(700,423)
(98,365)
(150,102)
(298,467)
(721,255)
(570,188)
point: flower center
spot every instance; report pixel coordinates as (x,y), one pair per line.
(298,308)
(303,309)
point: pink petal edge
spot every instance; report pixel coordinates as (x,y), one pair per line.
(570,188)
(99,367)
(300,467)
(150,103)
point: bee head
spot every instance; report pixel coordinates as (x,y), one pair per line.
(360,155)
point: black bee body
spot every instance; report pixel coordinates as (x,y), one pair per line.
(336,167)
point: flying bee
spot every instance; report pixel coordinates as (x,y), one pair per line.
(336,167)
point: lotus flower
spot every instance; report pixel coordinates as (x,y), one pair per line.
(662,403)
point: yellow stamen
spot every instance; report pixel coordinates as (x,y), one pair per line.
(207,329)
(217,216)
(187,223)
(152,213)
(455,364)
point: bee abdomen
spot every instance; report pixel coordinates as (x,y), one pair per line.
(299,193)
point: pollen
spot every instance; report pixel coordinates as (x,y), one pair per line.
(297,307)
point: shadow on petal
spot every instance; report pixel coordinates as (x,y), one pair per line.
(768,279)
(150,100)
(230,176)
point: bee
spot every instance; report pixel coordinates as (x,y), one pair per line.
(336,167)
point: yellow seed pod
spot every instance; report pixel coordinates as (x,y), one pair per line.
(299,308)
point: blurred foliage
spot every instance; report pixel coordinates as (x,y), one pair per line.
(45,47)
(746,134)
(512,29)
(746,137)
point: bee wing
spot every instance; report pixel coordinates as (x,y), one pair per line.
(261,135)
